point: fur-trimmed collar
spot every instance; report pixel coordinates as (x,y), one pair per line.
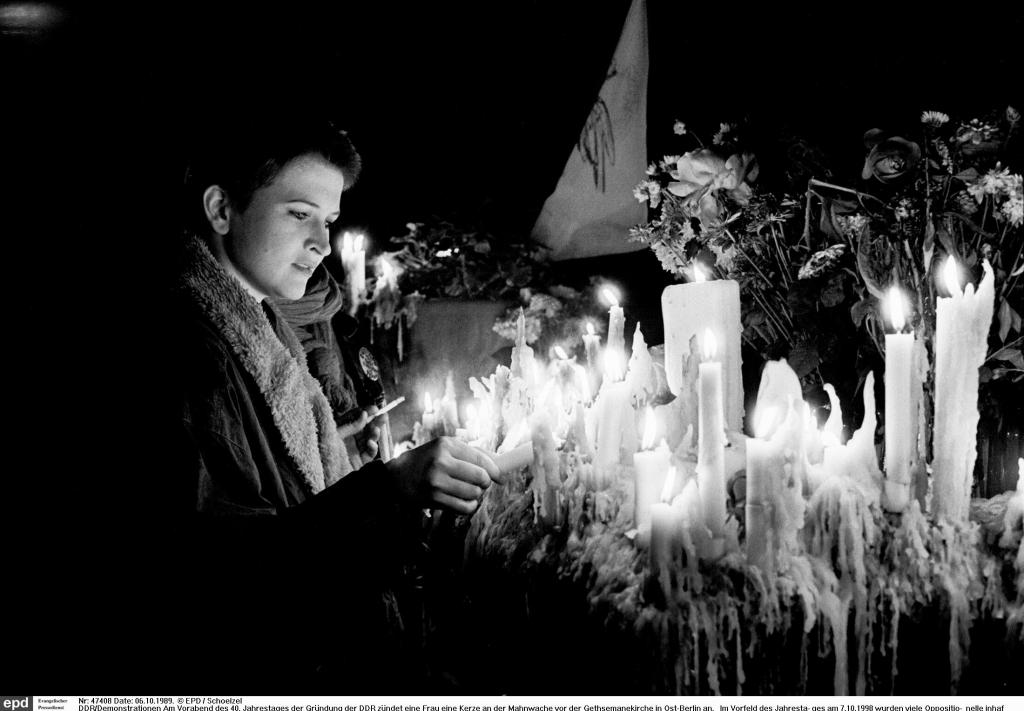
(299,408)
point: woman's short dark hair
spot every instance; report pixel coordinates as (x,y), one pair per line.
(245,158)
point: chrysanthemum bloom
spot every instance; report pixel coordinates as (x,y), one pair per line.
(934,118)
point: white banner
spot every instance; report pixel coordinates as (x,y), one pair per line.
(592,207)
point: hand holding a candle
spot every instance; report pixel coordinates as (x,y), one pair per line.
(364,429)
(444,473)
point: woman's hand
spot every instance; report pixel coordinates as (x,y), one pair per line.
(445,473)
(364,433)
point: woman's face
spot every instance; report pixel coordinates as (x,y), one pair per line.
(276,243)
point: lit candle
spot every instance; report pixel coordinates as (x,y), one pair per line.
(592,345)
(449,407)
(765,463)
(688,308)
(650,467)
(516,451)
(666,529)
(613,418)
(429,420)
(962,323)
(616,323)
(900,408)
(353,260)
(711,439)
(472,423)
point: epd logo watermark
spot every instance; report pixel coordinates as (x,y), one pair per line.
(15,703)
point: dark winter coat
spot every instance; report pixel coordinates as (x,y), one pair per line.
(288,551)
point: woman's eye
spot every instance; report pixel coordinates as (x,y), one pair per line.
(299,215)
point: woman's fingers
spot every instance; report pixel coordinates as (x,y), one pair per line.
(355,426)
(480,461)
(445,483)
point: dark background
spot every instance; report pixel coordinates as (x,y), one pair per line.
(459,109)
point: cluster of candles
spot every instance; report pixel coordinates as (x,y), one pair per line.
(523,415)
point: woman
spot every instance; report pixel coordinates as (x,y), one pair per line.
(302,543)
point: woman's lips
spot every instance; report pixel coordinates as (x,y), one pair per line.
(304,268)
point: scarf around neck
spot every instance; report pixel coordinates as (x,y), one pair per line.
(323,299)
(276,362)
(311,318)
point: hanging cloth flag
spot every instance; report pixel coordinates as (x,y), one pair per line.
(592,207)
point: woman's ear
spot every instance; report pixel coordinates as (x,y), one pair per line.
(217,208)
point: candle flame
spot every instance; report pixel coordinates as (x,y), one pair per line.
(951,276)
(590,329)
(357,243)
(710,345)
(609,297)
(650,425)
(346,243)
(764,420)
(670,485)
(699,276)
(560,352)
(897,314)
(428,403)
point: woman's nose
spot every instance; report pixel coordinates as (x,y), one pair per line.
(320,240)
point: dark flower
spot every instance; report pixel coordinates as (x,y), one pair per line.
(890,157)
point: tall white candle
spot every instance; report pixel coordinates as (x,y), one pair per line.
(688,309)
(353,260)
(711,439)
(614,419)
(666,532)
(616,323)
(900,408)
(429,420)
(592,346)
(765,463)
(962,323)
(650,467)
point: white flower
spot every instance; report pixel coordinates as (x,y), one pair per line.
(934,118)
(668,162)
(1012,114)
(652,169)
(995,182)
(1013,209)
(640,192)
(902,213)
(679,128)
(723,128)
